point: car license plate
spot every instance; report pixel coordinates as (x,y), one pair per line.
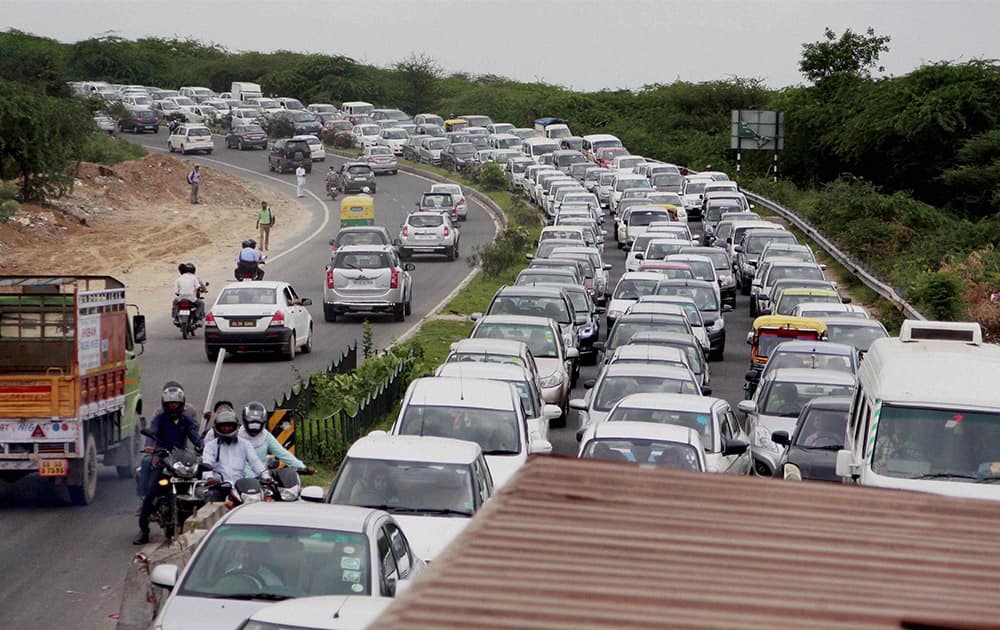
(184,312)
(361,283)
(425,237)
(242,323)
(53,468)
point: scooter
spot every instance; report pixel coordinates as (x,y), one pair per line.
(331,185)
(188,316)
(249,271)
(180,492)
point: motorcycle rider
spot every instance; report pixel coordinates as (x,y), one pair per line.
(173,427)
(254,420)
(248,260)
(229,455)
(331,181)
(189,287)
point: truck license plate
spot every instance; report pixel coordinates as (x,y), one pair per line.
(53,468)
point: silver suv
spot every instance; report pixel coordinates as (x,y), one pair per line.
(368,279)
(428,233)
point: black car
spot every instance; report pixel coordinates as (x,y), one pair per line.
(812,447)
(286,154)
(355,177)
(140,121)
(458,155)
(247,137)
(305,123)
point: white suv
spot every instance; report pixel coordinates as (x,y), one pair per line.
(367,278)
(191,137)
(428,233)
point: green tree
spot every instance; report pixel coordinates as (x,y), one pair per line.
(418,76)
(852,55)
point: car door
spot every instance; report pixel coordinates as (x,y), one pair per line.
(742,462)
(295,310)
(385,561)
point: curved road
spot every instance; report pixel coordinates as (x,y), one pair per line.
(68,563)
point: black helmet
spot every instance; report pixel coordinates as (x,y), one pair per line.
(226,426)
(182,268)
(172,398)
(189,267)
(254,417)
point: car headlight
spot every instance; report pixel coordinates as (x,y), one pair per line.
(762,439)
(552,380)
(717,325)
(792,472)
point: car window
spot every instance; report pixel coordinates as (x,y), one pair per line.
(199,132)
(387,565)
(425,220)
(400,550)
(361,260)
(361,238)
(541,340)
(248,295)
(436,200)
(358,169)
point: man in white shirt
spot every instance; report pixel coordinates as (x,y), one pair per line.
(228,454)
(187,286)
(300,179)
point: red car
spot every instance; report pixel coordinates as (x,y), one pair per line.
(604,157)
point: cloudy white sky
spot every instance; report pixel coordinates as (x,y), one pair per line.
(583,44)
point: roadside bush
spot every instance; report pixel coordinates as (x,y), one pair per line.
(104,149)
(8,191)
(8,208)
(328,137)
(278,127)
(520,213)
(342,140)
(505,252)
(939,295)
(491,177)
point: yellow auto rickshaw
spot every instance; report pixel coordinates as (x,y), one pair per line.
(455,124)
(357,210)
(770,330)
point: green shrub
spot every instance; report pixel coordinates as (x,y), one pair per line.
(105,149)
(506,251)
(8,208)
(8,191)
(343,140)
(491,177)
(278,127)
(939,295)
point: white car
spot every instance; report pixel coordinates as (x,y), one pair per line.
(316,149)
(456,192)
(494,351)
(259,315)
(267,552)
(365,135)
(428,233)
(431,485)
(631,286)
(353,612)
(645,443)
(394,138)
(191,137)
(486,412)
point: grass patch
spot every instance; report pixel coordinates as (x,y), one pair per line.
(103,148)
(434,339)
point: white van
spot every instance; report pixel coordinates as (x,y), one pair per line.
(359,108)
(926,413)
(597,141)
(535,148)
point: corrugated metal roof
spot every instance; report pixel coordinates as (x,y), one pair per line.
(589,544)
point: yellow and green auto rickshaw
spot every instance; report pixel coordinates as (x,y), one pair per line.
(455,124)
(357,210)
(770,330)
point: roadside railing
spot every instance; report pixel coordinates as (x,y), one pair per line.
(853,266)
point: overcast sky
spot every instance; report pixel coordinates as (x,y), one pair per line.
(583,44)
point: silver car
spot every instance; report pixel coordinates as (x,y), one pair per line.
(381,159)
(367,279)
(428,233)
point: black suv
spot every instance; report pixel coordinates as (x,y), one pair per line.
(355,177)
(286,154)
(458,155)
(140,121)
(303,122)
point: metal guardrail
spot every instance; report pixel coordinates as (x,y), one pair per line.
(866,277)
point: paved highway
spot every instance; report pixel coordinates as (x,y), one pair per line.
(71,561)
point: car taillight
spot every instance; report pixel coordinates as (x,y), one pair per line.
(246,136)
(406,230)
(278,319)
(446,231)
(329,278)
(454,215)
(371,158)
(394,279)
(461,201)
(138,120)
(210,321)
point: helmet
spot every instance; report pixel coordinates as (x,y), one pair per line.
(254,417)
(189,267)
(226,426)
(172,398)
(182,268)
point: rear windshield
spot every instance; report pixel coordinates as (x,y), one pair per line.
(534,306)
(645,217)
(361,238)
(359,170)
(425,220)
(436,201)
(361,260)
(199,132)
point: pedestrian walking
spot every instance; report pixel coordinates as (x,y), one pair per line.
(194,178)
(300,179)
(265,221)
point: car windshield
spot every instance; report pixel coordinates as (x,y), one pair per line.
(251,129)
(660,250)
(379,151)
(437,143)
(704,297)
(304,117)
(809,360)
(248,295)
(556,233)
(199,131)
(425,220)
(361,237)
(395,134)
(631,182)
(634,288)
(405,487)
(597,145)
(614,388)
(581,306)
(946,444)
(645,217)
(638,451)
(702,269)
(542,149)
(494,430)
(700,421)
(361,260)
(537,276)
(267,103)
(755,244)
(573,158)
(624,330)
(812,272)
(275,562)
(358,169)
(668,180)
(822,428)
(694,188)
(715,211)
(861,337)
(787,303)
(787,399)
(541,340)
(535,306)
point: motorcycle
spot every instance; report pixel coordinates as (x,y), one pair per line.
(188,316)
(285,484)
(179,487)
(331,184)
(249,271)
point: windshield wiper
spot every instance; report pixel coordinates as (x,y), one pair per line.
(414,510)
(831,447)
(355,267)
(501,451)
(274,597)
(946,475)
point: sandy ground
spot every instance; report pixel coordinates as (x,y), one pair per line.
(133,221)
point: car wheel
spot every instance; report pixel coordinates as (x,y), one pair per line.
(307,347)
(289,350)
(208,152)
(394,172)
(329,314)
(170,147)
(212,354)
(404,254)
(408,307)
(399,312)
(373,189)
(241,146)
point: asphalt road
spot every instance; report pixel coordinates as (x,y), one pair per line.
(65,565)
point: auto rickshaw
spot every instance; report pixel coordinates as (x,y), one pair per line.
(455,124)
(357,210)
(770,330)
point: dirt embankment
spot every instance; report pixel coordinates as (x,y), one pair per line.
(133,221)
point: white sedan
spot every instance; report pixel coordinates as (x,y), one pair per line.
(259,315)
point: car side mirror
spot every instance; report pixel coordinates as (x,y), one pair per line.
(639,255)
(312,493)
(752,376)
(747,406)
(306,302)
(845,300)
(846,466)
(529,256)
(139,329)
(607,266)
(475,316)
(706,390)
(734,447)
(589,383)
(409,267)
(738,248)
(727,308)
(750,338)
(781,437)
(752,206)
(540,447)
(164,575)
(578,403)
